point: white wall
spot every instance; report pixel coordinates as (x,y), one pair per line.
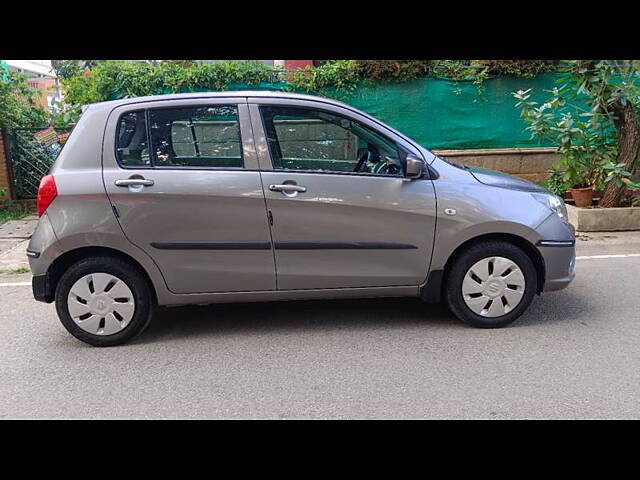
(32,68)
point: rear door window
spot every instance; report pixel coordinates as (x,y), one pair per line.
(207,137)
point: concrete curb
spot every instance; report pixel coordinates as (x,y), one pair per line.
(604,219)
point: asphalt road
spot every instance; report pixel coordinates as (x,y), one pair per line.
(574,354)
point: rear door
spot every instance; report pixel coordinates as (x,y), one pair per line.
(183,178)
(343,214)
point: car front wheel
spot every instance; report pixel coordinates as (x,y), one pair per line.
(104,301)
(490,284)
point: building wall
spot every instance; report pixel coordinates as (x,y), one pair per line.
(32,68)
(528,163)
(48,89)
(297,64)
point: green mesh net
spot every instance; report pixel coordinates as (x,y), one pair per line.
(443,114)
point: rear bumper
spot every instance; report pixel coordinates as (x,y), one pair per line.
(41,287)
(560,262)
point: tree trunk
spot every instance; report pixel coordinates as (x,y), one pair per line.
(628,145)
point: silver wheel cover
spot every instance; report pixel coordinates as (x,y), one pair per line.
(101,304)
(493,286)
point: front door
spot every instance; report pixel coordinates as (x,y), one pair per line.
(343,215)
(187,190)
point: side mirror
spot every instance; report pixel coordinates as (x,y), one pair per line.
(414,166)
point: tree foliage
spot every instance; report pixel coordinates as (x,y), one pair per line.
(612,90)
(18,103)
(70,68)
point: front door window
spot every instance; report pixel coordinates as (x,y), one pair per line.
(303,139)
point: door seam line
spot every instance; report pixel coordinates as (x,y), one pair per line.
(264,195)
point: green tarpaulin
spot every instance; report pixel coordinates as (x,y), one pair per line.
(442,114)
(4,70)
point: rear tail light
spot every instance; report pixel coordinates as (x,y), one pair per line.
(46,193)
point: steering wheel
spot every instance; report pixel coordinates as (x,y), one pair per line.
(364,156)
(386,167)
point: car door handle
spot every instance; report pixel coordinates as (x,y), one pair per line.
(133,182)
(287,188)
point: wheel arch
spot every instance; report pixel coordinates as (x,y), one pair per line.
(433,289)
(64,261)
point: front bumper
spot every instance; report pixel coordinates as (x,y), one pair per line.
(559,262)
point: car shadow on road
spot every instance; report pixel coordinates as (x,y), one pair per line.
(566,306)
(287,316)
(176,323)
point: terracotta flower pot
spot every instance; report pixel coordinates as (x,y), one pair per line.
(582,196)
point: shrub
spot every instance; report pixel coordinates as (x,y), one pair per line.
(585,146)
(399,70)
(520,68)
(339,74)
(556,182)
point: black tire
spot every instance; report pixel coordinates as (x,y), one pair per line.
(135,280)
(461,264)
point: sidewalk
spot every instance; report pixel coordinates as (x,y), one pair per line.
(610,243)
(14,238)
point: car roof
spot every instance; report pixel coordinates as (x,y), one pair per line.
(223,94)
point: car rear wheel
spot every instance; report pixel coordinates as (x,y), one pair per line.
(104,301)
(490,284)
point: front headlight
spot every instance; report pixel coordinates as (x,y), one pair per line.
(555,204)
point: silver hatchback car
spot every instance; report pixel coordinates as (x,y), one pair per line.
(256,196)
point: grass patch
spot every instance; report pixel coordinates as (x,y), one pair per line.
(14,213)
(16,271)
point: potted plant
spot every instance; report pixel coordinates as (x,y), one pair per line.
(583,174)
(582,196)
